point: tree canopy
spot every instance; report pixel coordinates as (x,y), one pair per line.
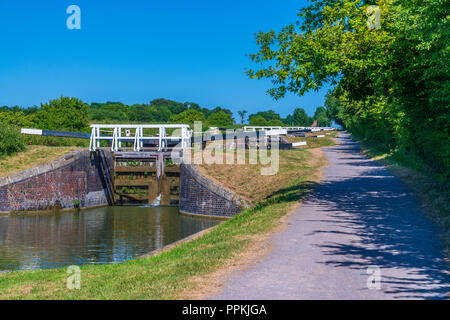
(220,119)
(391,83)
(70,114)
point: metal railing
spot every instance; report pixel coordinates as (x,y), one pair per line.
(116,134)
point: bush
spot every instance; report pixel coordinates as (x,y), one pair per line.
(11,140)
(220,119)
(55,141)
(65,114)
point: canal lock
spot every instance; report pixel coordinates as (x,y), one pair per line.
(154,180)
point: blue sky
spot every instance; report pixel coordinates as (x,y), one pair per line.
(135,51)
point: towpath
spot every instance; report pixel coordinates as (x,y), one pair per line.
(361,221)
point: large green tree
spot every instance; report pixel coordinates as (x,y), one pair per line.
(109,112)
(65,113)
(173,106)
(188,116)
(301,118)
(391,83)
(269,115)
(321,115)
(220,119)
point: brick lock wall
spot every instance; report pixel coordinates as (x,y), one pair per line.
(198,195)
(55,185)
(4,202)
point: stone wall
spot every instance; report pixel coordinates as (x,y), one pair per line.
(199,195)
(72,180)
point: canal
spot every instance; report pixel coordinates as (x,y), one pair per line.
(100,235)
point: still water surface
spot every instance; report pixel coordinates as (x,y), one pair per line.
(101,235)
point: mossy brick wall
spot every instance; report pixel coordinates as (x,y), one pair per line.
(71,179)
(199,195)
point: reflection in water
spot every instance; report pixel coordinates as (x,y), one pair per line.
(101,235)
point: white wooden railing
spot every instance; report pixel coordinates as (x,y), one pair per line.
(115,134)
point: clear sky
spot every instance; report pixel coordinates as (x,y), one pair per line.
(138,50)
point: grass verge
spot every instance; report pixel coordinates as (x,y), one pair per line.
(31,157)
(428,187)
(313,142)
(184,270)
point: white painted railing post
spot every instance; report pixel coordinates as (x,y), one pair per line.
(92,140)
(136,139)
(113,142)
(118,136)
(98,136)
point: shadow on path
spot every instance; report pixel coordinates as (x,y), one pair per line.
(393,233)
(360,215)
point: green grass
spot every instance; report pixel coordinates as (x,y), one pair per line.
(313,142)
(177,272)
(31,157)
(431,188)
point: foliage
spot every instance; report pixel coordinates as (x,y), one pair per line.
(173,106)
(391,84)
(189,117)
(220,119)
(10,140)
(69,114)
(301,118)
(267,115)
(258,120)
(17,118)
(321,115)
(109,112)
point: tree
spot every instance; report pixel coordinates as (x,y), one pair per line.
(301,117)
(289,120)
(109,112)
(218,109)
(17,118)
(268,115)
(242,114)
(220,119)
(275,123)
(321,115)
(391,85)
(173,106)
(257,120)
(11,141)
(142,113)
(188,117)
(65,113)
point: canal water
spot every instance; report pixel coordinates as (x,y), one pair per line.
(100,235)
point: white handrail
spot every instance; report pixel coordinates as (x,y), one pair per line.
(138,139)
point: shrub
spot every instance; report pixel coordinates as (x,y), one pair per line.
(11,140)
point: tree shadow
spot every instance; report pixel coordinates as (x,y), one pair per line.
(393,233)
(290,194)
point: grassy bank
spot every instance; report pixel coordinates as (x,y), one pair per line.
(31,157)
(313,142)
(246,180)
(188,269)
(430,188)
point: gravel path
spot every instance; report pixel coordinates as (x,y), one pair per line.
(359,216)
